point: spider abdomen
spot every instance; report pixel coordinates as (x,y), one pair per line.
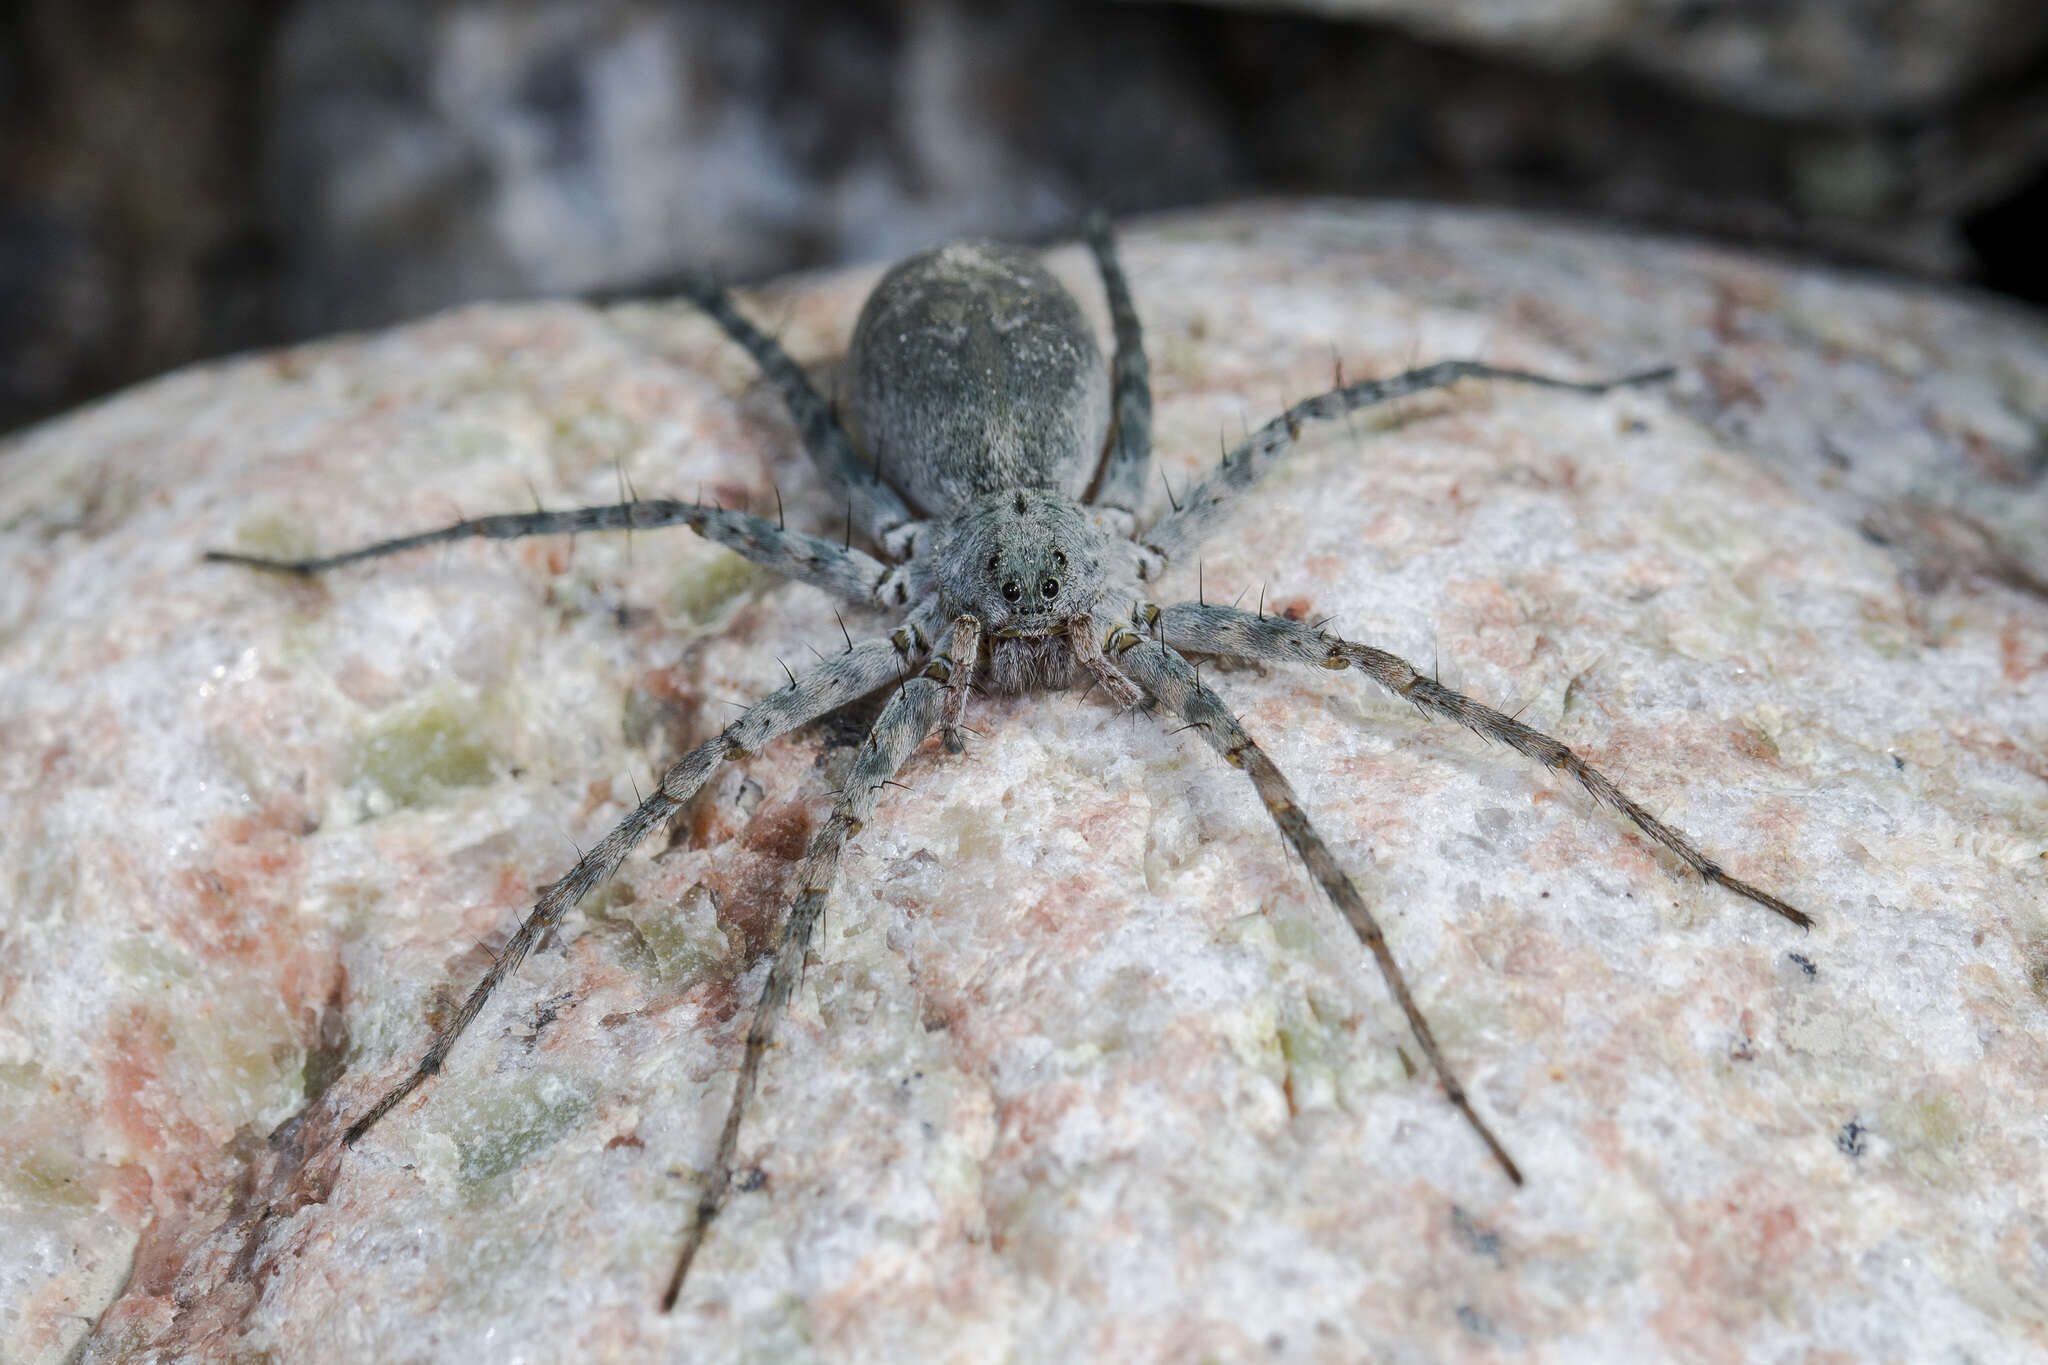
(974,371)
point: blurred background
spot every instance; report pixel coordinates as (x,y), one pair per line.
(182,178)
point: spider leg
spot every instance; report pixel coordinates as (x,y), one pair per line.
(843,572)
(834,681)
(876,507)
(1202,508)
(1088,650)
(1121,489)
(961,656)
(1240,634)
(903,724)
(1161,671)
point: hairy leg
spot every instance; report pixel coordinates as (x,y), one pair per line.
(1121,489)
(1081,634)
(877,509)
(1203,629)
(960,658)
(1171,679)
(1201,510)
(904,722)
(834,681)
(844,572)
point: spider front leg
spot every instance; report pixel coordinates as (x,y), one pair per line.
(1203,629)
(836,680)
(1161,671)
(903,724)
(1088,652)
(844,572)
(959,659)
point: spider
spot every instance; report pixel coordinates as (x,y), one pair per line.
(998,465)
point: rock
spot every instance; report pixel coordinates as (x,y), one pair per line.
(1083,1067)
(1808,59)
(177,181)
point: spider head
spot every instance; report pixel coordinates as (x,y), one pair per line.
(1022,560)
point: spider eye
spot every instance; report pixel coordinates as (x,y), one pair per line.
(1059,561)
(993,561)
(1011,591)
(1049,589)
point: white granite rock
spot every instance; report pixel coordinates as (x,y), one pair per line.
(1083,1069)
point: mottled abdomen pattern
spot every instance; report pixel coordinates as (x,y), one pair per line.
(973,371)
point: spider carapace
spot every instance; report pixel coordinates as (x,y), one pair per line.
(998,466)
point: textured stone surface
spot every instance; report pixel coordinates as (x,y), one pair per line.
(1083,1067)
(1805,58)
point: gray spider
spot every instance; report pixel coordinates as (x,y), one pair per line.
(1001,478)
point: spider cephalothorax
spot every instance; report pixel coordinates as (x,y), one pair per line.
(984,415)
(1027,565)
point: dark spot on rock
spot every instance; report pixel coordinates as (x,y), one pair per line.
(1849,1141)
(2037,969)
(1474,1321)
(1480,1241)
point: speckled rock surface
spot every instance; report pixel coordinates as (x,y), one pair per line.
(1798,57)
(1083,1068)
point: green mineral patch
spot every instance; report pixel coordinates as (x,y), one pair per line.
(246,1048)
(52,1178)
(1929,1119)
(456,446)
(1927,1129)
(275,537)
(502,1131)
(591,437)
(415,753)
(1316,1054)
(1294,929)
(1305,1042)
(23,1089)
(145,958)
(1686,525)
(706,584)
(677,945)
(1255,1038)
(1253,930)
(782,1338)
